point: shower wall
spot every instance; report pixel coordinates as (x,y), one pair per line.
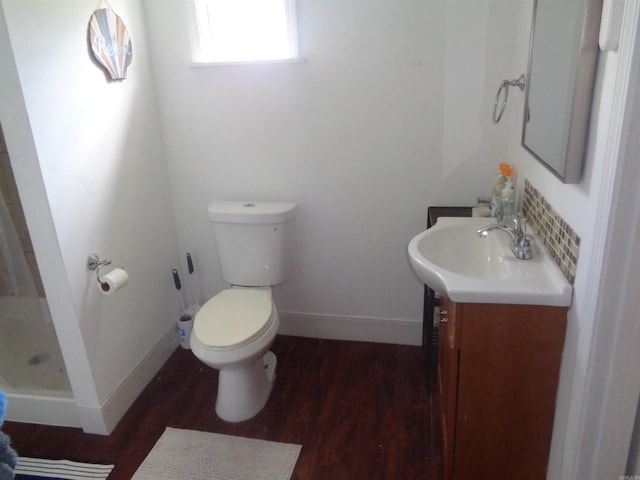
(10,193)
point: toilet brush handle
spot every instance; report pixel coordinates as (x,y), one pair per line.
(194,283)
(176,279)
(189,263)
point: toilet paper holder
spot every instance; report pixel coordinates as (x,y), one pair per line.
(94,262)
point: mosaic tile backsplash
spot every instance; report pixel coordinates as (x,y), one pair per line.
(562,243)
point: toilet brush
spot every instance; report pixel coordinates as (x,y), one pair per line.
(176,281)
(194,284)
(185,320)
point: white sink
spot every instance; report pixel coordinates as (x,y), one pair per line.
(454,260)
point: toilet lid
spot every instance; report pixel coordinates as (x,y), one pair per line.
(233,317)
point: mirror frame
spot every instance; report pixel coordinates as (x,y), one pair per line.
(583,83)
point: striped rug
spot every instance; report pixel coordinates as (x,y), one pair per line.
(41,469)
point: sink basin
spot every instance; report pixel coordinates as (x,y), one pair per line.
(454,260)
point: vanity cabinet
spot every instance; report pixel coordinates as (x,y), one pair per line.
(498,368)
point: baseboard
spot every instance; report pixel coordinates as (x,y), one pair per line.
(361,329)
(103,420)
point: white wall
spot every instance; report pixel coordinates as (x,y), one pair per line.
(589,362)
(390,113)
(90,167)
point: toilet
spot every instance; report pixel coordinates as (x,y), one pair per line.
(232,332)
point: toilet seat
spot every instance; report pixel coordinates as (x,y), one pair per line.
(233,318)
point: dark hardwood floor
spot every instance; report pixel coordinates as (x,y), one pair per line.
(359,410)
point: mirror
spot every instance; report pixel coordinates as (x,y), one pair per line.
(563,52)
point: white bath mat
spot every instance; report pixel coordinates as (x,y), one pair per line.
(192,455)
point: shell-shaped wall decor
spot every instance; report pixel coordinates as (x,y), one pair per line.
(110,42)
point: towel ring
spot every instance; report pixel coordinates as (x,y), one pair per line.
(519,82)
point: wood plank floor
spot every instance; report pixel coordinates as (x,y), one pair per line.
(359,410)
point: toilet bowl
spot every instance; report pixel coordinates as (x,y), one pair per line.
(232,332)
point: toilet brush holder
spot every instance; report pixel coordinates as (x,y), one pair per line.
(185,325)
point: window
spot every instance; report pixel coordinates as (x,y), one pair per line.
(227,31)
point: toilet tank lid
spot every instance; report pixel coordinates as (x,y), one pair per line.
(252,212)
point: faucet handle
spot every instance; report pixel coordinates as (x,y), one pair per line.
(520,223)
(522,248)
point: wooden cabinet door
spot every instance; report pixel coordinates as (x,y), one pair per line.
(507,380)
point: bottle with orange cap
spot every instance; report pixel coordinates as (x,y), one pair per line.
(504,175)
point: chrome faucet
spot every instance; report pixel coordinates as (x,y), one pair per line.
(520,240)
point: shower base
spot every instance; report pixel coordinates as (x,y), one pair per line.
(32,371)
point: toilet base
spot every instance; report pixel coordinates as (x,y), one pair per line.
(243,392)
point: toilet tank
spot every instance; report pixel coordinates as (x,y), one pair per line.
(254,241)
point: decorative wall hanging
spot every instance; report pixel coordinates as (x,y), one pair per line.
(110,42)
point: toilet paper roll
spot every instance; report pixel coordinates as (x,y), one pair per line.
(114,281)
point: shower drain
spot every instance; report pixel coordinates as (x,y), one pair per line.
(39,358)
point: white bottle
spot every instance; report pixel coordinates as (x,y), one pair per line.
(508,203)
(504,174)
(496,198)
